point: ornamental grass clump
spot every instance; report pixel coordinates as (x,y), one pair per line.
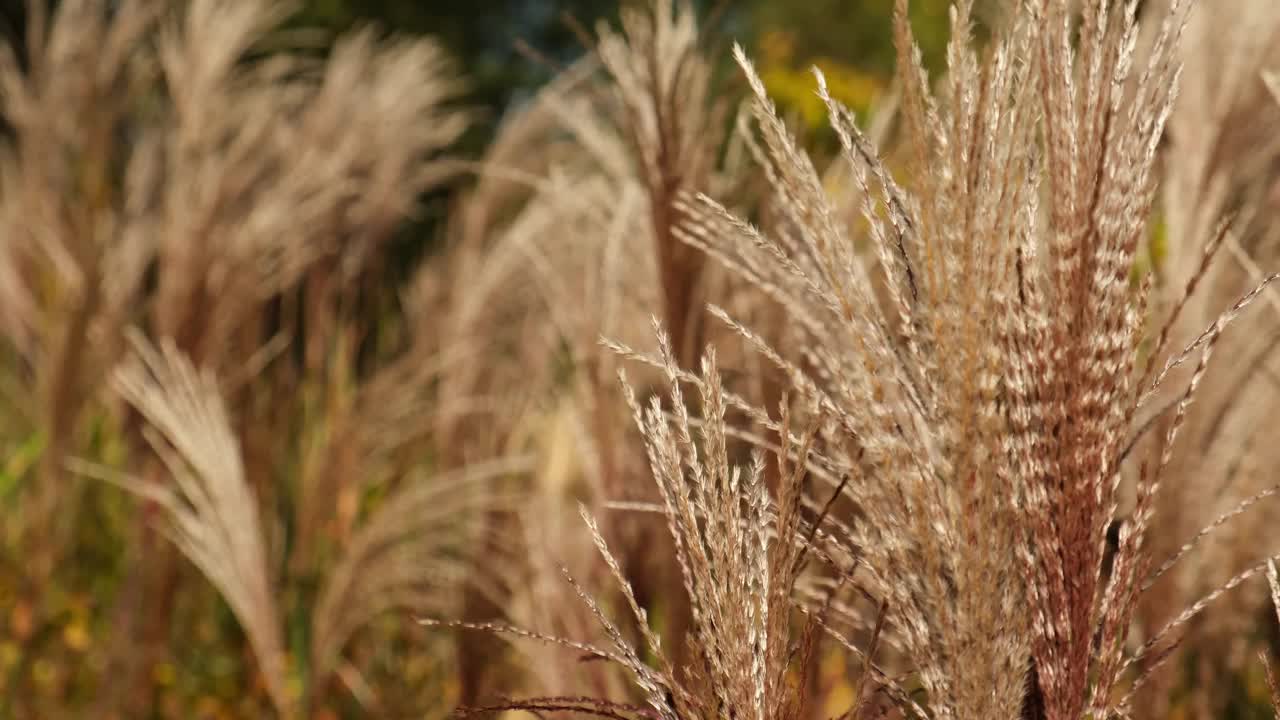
(982,406)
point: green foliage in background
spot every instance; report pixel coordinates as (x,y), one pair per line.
(851,41)
(484,35)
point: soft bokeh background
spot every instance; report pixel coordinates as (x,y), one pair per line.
(75,641)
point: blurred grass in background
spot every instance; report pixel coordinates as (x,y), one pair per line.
(55,639)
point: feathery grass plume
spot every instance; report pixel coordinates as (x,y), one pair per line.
(228,174)
(229,169)
(68,254)
(538,273)
(213,515)
(1273,581)
(663,83)
(740,554)
(368,435)
(550,536)
(939,524)
(391,103)
(567,237)
(983,410)
(1217,181)
(365,428)
(1221,139)
(304,169)
(404,555)
(286,161)
(543,258)
(536,281)
(602,155)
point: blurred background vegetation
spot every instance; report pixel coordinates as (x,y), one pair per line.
(511,48)
(52,636)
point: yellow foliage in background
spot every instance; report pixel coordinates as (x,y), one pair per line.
(791,85)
